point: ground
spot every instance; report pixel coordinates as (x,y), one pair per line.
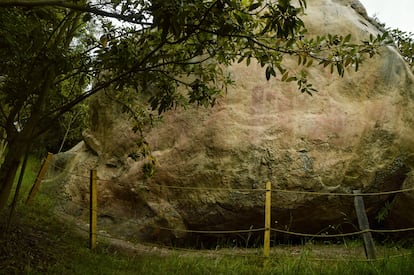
(36,244)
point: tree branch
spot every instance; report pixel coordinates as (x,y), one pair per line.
(70,5)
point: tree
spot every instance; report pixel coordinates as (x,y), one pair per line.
(405,43)
(37,63)
(171,52)
(67,132)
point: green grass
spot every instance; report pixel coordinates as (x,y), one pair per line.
(40,243)
(103,263)
(30,174)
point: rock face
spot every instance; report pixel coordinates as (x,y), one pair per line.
(355,133)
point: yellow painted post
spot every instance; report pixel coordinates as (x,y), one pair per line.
(266,249)
(93,201)
(39,178)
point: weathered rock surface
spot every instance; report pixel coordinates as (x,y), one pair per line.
(355,133)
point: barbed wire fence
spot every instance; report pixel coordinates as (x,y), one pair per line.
(266,230)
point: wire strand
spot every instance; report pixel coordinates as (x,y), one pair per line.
(230,189)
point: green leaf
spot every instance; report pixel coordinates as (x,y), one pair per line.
(254,6)
(347,61)
(340,69)
(269,72)
(285,76)
(347,38)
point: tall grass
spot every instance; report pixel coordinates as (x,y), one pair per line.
(103,263)
(30,174)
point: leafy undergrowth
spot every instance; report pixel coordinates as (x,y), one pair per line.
(25,245)
(37,244)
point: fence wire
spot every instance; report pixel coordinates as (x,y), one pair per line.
(248,191)
(255,253)
(255,230)
(231,189)
(264,190)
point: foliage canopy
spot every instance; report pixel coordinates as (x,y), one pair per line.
(405,44)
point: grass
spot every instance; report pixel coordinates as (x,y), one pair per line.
(40,243)
(102,262)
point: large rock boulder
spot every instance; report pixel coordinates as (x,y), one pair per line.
(212,164)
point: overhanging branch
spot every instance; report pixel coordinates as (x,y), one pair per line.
(72,6)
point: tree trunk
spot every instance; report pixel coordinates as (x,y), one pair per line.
(9,168)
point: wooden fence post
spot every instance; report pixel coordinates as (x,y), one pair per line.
(266,246)
(93,210)
(364,225)
(39,178)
